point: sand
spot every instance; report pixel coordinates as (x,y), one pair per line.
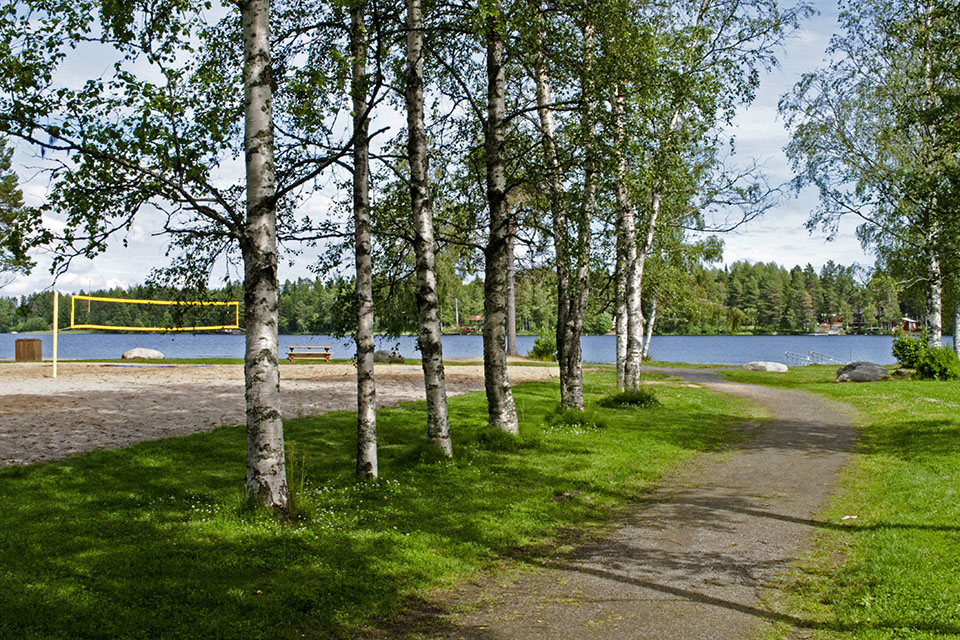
(90,405)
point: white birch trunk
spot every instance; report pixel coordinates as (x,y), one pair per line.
(572,306)
(428,304)
(934,318)
(511,297)
(633,267)
(500,404)
(650,322)
(935,302)
(557,205)
(956,324)
(366,385)
(266,481)
(620,292)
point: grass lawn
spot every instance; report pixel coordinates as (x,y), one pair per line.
(894,570)
(151,541)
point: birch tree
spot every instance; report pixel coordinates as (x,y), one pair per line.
(366,384)
(684,85)
(570,222)
(159,139)
(431,350)
(500,405)
(266,471)
(866,134)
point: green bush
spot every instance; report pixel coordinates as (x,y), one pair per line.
(497,440)
(643,398)
(938,363)
(545,348)
(573,419)
(908,351)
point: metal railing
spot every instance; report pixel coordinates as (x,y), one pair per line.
(812,357)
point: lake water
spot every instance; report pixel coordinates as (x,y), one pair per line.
(696,349)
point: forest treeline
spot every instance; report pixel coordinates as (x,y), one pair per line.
(740,298)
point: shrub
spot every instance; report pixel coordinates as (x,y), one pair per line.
(545,348)
(496,440)
(938,363)
(573,419)
(643,398)
(908,351)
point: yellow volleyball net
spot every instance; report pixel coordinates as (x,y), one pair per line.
(127,314)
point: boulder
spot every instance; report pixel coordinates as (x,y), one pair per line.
(391,357)
(774,367)
(140,353)
(862,371)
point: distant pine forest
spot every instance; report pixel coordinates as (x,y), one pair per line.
(743,297)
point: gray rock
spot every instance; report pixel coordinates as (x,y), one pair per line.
(391,357)
(141,353)
(862,371)
(774,367)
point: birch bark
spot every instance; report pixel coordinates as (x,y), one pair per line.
(650,322)
(428,304)
(620,292)
(366,384)
(511,298)
(500,405)
(266,481)
(934,301)
(574,305)
(934,320)
(956,327)
(555,185)
(633,267)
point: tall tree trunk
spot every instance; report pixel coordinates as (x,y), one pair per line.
(956,324)
(650,322)
(620,293)
(934,301)
(633,267)
(500,405)
(266,481)
(556,193)
(366,386)
(511,297)
(428,303)
(934,320)
(573,306)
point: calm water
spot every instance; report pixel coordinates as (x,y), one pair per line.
(698,349)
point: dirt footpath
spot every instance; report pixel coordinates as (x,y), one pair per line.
(90,406)
(700,559)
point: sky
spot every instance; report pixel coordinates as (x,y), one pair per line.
(780,236)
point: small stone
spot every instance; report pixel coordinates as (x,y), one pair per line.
(773,367)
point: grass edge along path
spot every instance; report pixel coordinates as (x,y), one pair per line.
(151,541)
(884,564)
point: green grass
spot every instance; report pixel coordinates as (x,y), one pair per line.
(152,542)
(892,572)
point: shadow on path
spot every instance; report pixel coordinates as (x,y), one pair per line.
(700,558)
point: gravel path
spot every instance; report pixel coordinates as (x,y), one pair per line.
(702,558)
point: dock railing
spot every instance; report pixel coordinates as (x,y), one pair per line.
(812,357)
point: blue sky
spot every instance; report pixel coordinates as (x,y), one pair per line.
(780,236)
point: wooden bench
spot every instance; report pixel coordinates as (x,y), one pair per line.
(309,353)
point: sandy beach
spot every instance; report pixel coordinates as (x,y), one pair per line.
(109,405)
